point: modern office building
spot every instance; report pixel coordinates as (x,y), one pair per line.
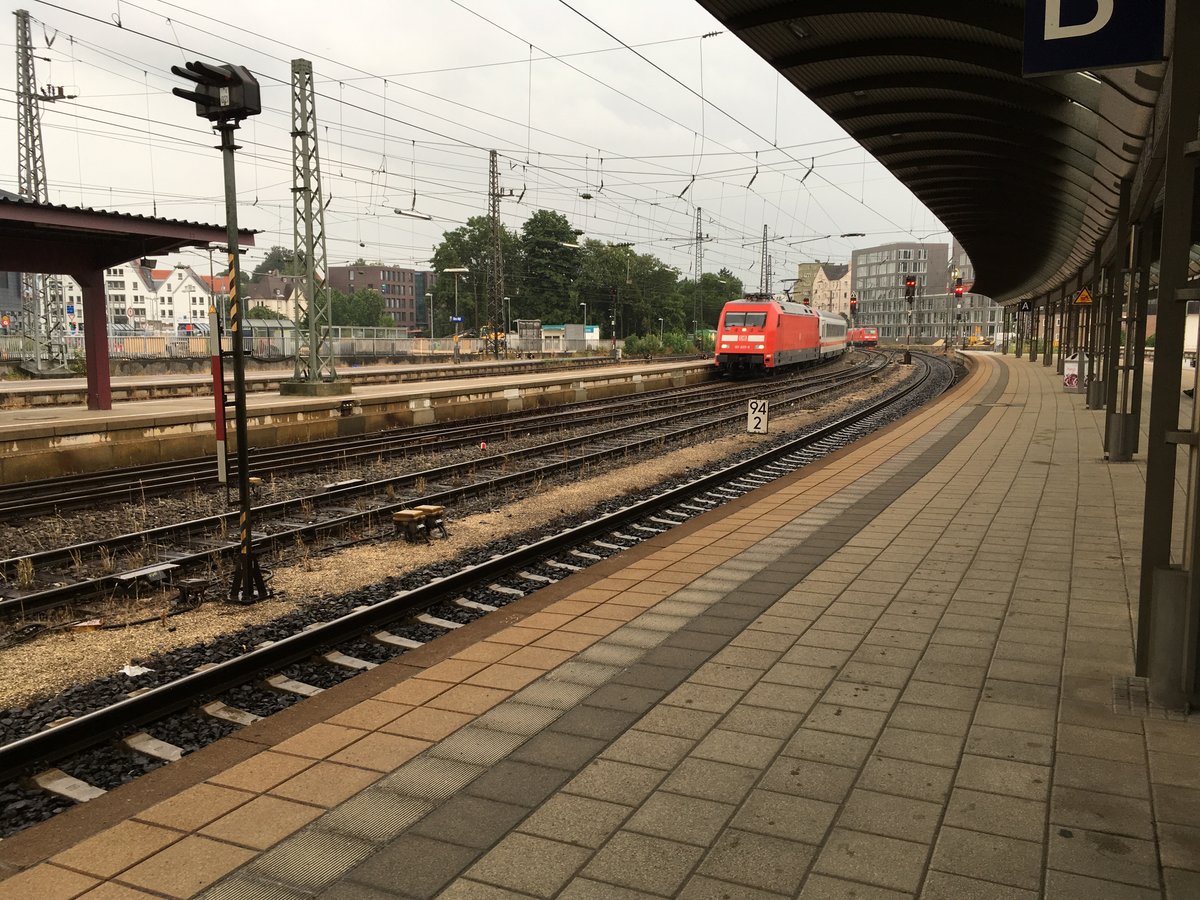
(878,275)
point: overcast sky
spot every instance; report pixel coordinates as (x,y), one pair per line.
(411,96)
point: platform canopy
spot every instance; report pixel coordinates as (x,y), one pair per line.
(1025,172)
(64,240)
(82,243)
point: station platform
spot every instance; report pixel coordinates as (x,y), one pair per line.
(68,391)
(905,671)
(41,442)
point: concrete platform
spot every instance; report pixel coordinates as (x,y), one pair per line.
(902,672)
(49,441)
(69,391)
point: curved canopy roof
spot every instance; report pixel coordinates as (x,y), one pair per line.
(1024,171)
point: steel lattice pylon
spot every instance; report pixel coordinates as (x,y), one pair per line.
(698,297)
(40,320)
(765,267)
(496,262)
(314,352)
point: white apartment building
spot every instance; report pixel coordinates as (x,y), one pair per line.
(831,289)
(141,296)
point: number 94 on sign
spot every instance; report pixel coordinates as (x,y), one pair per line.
(756,417)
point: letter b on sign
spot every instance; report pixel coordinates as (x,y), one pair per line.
(1073,35)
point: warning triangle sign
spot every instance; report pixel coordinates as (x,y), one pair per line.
(1083,298)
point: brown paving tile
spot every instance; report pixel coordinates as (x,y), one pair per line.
(116,849)
(111,890)
(615,612)
(380,752)
(195,807)
(320,740)
(484,651)
(548,621)
(262,822)
(571,607)
(505,677)
(45,882)
(325,784)
(369,714)
(412,692)
(427,723)
(518,636)
(187,867)
(945,886)
(538,657)
(452,670)
(884,861)
(989,857)
(261,772)
(469,698)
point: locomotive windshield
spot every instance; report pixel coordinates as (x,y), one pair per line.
(749,319)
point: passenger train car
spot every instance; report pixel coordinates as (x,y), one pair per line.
(866,336)
(761,334)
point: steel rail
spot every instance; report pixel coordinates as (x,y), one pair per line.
(93,728)
(63,592)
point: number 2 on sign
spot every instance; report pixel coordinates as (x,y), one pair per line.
(756,417)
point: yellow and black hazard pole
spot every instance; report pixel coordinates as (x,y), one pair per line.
(248,585)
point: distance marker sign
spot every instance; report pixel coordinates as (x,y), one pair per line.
(756,417)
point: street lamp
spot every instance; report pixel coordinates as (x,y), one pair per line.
(457,271)
(429,303)
(507,318)
(660,330)
(584,305)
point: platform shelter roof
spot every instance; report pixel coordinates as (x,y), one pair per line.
(1025,172)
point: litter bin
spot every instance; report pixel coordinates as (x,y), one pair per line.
(1076,374)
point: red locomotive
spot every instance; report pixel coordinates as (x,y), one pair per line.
(763,333)
(866,336)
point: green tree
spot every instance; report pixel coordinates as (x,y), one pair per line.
(364,308)
(278,259)
(262,312)
(470,247)
(545,287)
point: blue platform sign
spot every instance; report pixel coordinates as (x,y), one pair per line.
(456,318)
(1074,35)
(70,309)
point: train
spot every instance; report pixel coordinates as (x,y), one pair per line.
(865,336)
(760,334)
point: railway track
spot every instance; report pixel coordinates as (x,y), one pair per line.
(41,581)
(52,496)
(137,721)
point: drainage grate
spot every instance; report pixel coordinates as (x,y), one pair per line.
(1131,697)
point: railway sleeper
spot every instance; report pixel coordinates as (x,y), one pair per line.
(648,529)
(566,567)
(427,619)
(226,713)
(535,578)
(607,546)
(148,745)
(464,603)
(290,686)
(345,661)
(395,640)
(60,784)
(507,591)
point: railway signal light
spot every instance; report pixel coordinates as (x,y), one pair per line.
(853,307)
(958,290)
(223,93)
(910,288)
